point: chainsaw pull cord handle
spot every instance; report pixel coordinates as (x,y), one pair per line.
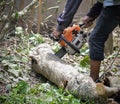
(71,45)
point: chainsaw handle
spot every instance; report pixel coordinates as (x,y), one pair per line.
(81,24)
(53,37)
(71,45)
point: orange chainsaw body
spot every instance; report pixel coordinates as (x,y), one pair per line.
(68,34)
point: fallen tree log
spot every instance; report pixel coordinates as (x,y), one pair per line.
(66,76)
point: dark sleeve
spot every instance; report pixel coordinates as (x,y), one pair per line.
(65,18)
(95,10)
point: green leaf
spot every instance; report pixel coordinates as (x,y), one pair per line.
(36,39)
(56,47)
(84,50)
(22,87)
(17,15)
(85,61)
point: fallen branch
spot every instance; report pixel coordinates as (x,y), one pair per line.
(108,69)
(9,19)
(20,13)
(26,9)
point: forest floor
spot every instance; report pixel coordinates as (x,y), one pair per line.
(15,66)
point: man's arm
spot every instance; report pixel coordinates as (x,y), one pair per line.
(67,15)
(92,14)
(95,10)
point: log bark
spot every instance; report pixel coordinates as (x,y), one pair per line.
(66,76)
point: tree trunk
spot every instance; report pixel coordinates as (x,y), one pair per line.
(63,75)
(39,16)
(109,45)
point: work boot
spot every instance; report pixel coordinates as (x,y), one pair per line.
(94,69)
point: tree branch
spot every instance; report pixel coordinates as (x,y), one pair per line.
(26,9)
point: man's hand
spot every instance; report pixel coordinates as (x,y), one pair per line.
(88,21)
(56,33)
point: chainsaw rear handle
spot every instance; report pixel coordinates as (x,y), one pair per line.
(53,37)
(71,45)
(87,22)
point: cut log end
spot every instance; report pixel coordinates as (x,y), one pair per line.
(100,89)
(106,91)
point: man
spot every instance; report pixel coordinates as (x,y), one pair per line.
(109,17)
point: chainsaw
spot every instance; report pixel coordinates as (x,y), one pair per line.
(71,40)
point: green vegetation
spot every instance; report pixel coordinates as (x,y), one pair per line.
(15,73)
(22,93)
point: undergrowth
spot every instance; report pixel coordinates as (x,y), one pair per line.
(22,93)
(14,74)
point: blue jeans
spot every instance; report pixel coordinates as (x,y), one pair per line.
(109,18)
